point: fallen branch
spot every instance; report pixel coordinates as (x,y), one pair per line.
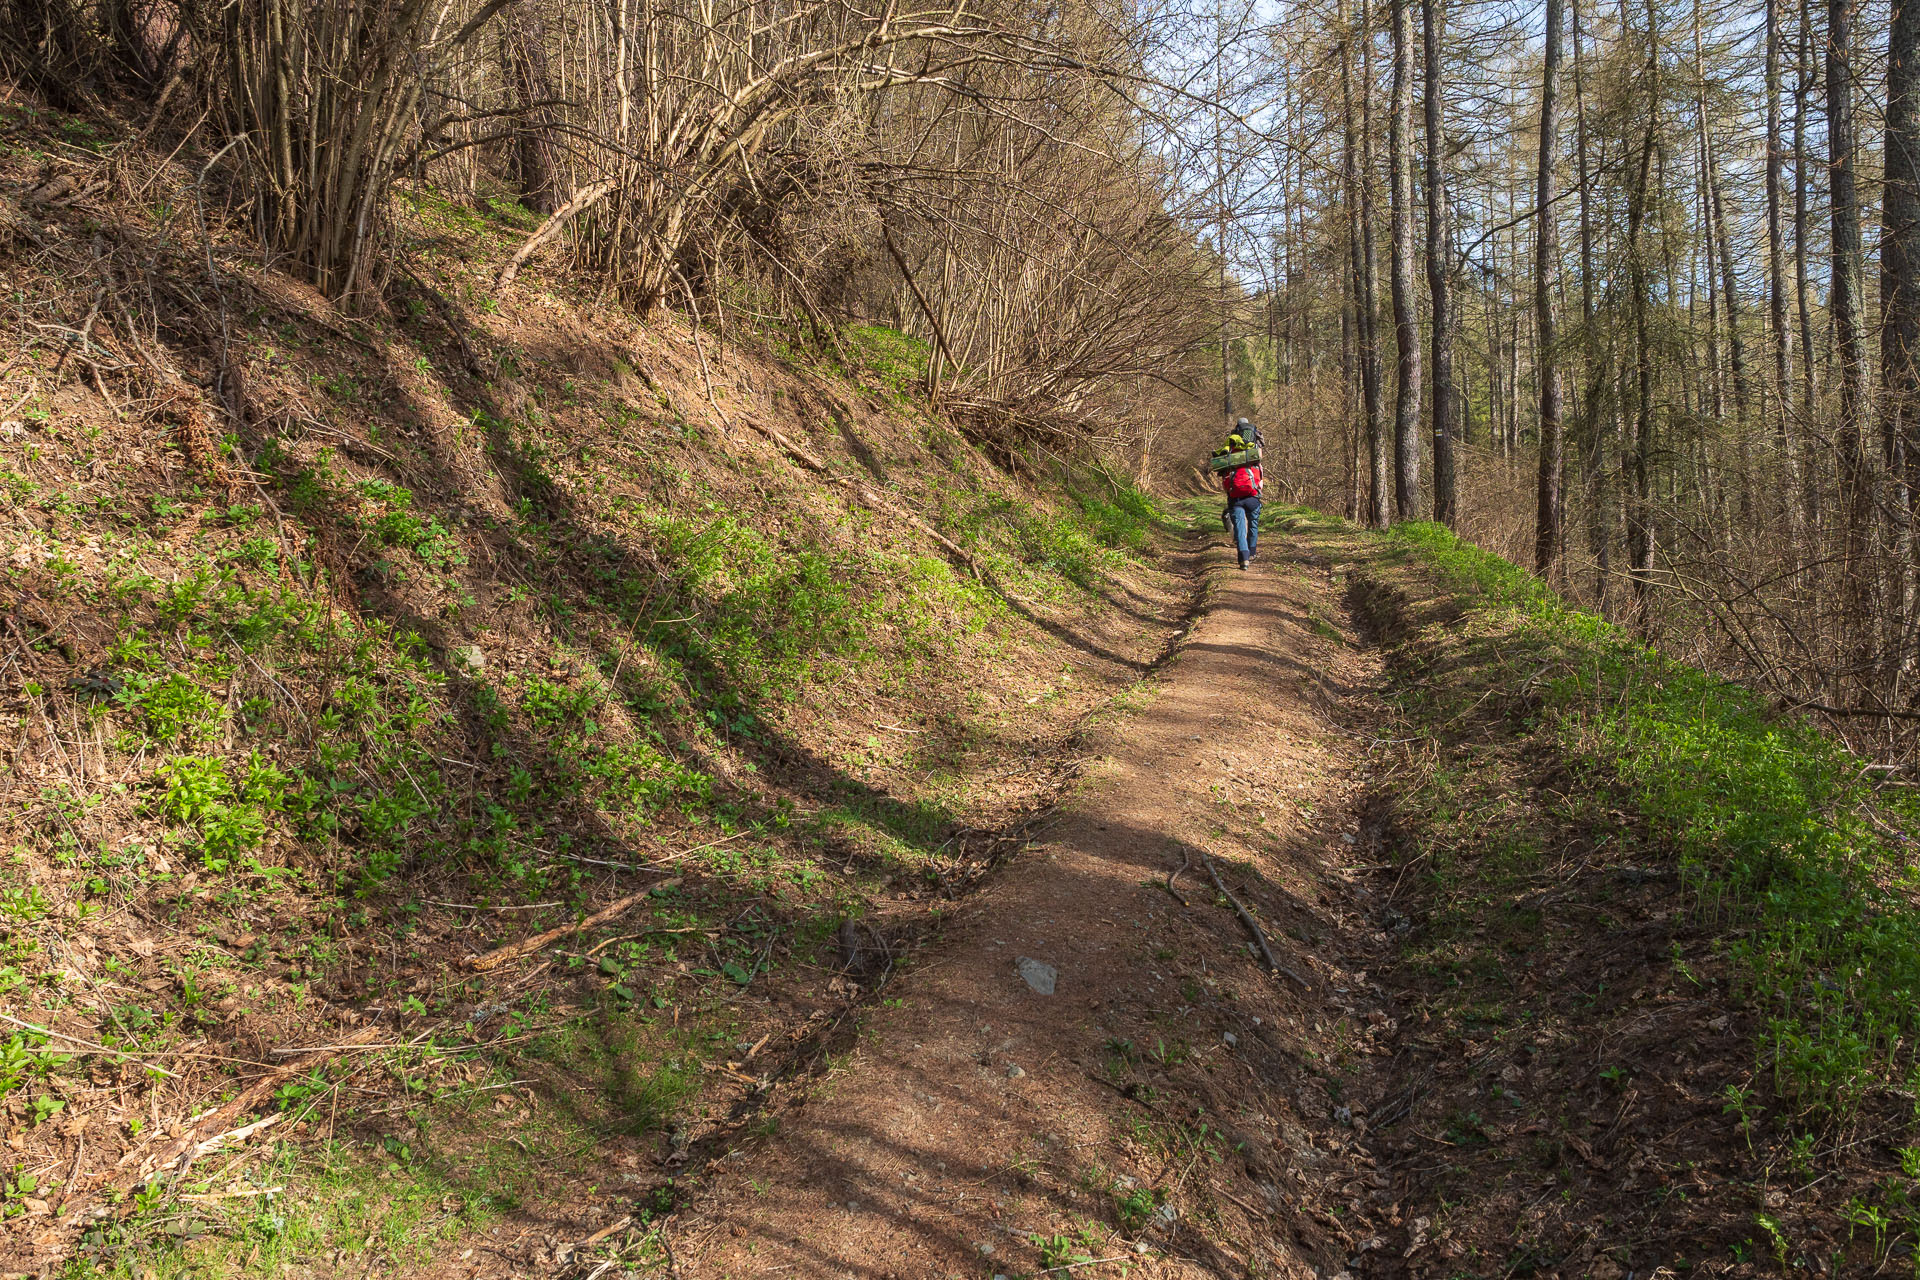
(216,1121)
(585,198)
(1247,917)
(209,1197)
(527,946)
(221,1141)
(868,496)
(89,1045)
(1186,860)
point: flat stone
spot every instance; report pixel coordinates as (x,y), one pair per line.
(1038,974)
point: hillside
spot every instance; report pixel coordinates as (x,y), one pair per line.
(345,652)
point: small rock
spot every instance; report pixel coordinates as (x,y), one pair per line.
(1230,1038)
(470,659)
(1166,1215)
(1015,1073)
(1141,1246)
(1038,974)
(1347,837)
(986,1250)
(1343,1115)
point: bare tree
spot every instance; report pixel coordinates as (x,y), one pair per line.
(1900,311)
(1779,329)
(1406,319)
(1550,511)
(1439,265)
(1845,303)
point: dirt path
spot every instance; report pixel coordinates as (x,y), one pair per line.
(1172,1105)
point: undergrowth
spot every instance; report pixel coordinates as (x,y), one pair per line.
(1805,869)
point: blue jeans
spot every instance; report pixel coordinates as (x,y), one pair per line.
(1246,526)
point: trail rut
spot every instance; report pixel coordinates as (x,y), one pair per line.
(1173,1104)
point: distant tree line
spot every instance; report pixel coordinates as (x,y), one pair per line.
(1664,349)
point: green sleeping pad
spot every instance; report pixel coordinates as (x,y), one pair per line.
(1247,457)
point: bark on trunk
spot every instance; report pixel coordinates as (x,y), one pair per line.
(1845,303)
(1406,319)
(535,155)
(1549,515)
(1779,332)
(1900,308)
(1439,268)
(1809,368)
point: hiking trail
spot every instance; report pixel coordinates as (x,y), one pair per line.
(1162,1106)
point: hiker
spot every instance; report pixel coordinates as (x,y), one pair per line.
(1244,436)
(1238,465)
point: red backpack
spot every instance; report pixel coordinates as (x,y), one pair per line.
(1245,483)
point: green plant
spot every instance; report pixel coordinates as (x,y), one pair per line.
(1063,1250)
(22,1058)
(1860,1213)
(16,1187)
(1135,1208)
(229,821)
(23,902)
(1737,1100)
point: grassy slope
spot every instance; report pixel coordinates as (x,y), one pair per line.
(474,617)
(1660,938)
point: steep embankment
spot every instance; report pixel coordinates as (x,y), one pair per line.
(1654,944)
(343,654)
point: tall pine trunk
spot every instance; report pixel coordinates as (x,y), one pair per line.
(1439,267)
(1379,446)
(1640,528)
(1549,513)
(1779,333)
(1900,309)
(1809,367)
(1845,303)
(536,151)
(1406,317)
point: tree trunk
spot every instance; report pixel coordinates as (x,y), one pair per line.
(1439,267)
(1809,368)
(1549,514)
(1406,318)
(1640,531)
(1845,304)
(1380,510)
(1900,307)
(536,157)
(1779,333)
(1593,455)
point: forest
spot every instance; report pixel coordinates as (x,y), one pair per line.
(1646,318)
(616,657)
(1620,291)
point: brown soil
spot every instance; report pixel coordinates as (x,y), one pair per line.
(983,1127)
